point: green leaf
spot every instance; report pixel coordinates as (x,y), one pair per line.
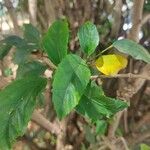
(144,147)
(33,68)
(70,81)
(90,137)
(31,34)
(8,72)
(88,37)
(94,103)
(4,49)
(131,48)
(22,48)
(147,6)
(17,102)
(56,40)
(14,41)
(101,127)
(23,52)
(8,42)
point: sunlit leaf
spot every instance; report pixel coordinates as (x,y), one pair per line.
(111,64)
(144,147)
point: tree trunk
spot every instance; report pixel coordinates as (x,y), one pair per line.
(32,6)
(13,16)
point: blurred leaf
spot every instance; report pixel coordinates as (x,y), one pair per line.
(17,102)
(31,34)
(90,137)
(101,127)
(88,37)
(119,132)
(4,49)
(56,40)
(70,81)
(40,100)
(144,147)
(94,103)
(83,147)
(23,52)
(33,68)
(147,6)
(14,41)
(8,42)
(111,64)
(8,72)
(131,48)
(22,48)
(21,55)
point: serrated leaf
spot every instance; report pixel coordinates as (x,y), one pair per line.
(55,42)
(33,68)
(88,37)
(17,102)
(131,48)
(97,104)
(70,81)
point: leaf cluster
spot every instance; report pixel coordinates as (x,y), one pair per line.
(72,88)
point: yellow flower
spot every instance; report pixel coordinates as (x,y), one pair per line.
(111,64)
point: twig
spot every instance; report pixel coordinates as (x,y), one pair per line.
(43,122)
(47,98)
(125,117)
(144,121)
(113,127)
(61,137)
(128,75)
(138,137)
(49,63)
(103,51)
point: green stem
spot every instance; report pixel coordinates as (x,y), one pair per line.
(111,46)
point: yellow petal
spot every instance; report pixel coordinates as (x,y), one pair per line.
(111,64)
